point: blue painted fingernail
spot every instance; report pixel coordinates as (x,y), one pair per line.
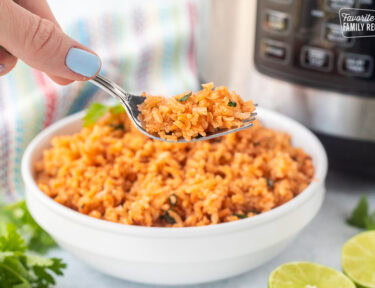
(82,62)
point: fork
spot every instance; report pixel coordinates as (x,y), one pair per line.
(130,103)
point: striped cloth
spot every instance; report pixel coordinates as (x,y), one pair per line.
(144,45)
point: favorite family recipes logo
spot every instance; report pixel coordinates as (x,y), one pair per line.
(357,22)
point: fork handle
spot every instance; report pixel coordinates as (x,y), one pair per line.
(111,88)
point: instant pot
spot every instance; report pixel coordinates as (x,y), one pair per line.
(291,56)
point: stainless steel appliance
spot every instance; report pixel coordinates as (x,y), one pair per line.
(290,56)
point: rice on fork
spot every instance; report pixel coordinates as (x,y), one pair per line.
(191,115)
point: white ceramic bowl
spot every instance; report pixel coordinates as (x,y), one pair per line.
(172,256)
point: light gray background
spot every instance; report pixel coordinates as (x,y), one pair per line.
(321,242)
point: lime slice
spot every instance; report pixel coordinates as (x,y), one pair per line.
(358,259)
(307,275)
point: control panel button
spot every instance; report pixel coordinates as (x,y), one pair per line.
(310,18)
(356,65)
(275,50)
(338,4)
(316,58)
(276,21)
(332,33)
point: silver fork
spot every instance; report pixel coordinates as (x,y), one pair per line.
(130,103)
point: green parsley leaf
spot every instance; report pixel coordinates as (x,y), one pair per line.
(43,269)
(94,113)
(117,109)
(241,216)
(96,110)
(360,213)
(35,237)
(36,260)
(185,98)
(6,254)
(10,240)
(232,104)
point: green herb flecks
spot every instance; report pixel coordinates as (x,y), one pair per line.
(35,237)
(172,199)
(254,211)
(241,216)
(232,104)
(269,183)
(361,216)
(185,98)
(119,126)
(19,268)
(165,216)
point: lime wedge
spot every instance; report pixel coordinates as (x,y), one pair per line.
(307,275)
(358,259)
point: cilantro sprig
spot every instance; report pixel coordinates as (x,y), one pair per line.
(361,217)
(97,110)
(20,238)
(21,268)
(35,237)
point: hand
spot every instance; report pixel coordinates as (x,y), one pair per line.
(30,32)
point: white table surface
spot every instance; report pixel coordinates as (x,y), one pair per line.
(321,242)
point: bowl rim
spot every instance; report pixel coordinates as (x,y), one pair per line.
(30,186)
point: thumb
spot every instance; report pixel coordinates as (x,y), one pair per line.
(41,44)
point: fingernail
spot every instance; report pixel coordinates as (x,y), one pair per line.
(82,62)
(2,68)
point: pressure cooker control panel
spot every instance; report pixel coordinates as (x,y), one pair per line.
(301,41)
